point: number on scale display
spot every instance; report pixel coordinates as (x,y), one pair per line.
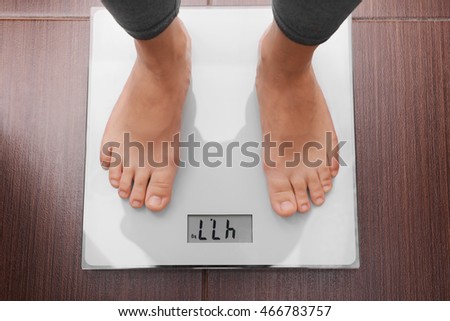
(220,228)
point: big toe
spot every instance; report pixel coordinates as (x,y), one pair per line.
(282,196)
(108,153)
(115,168)
(334,167)
(105,156)
(159,189)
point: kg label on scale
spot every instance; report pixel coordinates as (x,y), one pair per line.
(220,228)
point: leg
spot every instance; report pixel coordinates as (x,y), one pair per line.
(149,107)
(143,19)
(292,105)
(311,22)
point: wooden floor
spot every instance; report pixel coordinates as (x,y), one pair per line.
(402,101)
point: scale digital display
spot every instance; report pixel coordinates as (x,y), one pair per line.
(218,228)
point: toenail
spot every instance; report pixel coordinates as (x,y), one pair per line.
(287,206)
(136,204)
(304,208)
(319,200)
(155,201)
(123,194)
(114,182)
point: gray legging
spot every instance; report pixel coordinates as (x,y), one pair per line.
(308,22)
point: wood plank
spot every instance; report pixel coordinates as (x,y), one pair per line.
(446,70)
(388,9)
(402,72)
(58,8)
(240,2)
(370,9)
(43,90)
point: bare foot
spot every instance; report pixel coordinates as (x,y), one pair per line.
(149,110)
(293,109)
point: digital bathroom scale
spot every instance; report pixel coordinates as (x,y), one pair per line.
(218,216)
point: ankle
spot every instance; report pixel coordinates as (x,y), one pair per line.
(165,50)
(283,55)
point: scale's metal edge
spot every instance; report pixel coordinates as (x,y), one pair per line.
(84,264)
(354,265)
(219,267)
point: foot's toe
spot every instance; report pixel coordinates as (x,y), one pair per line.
(105,157)
(301,195)
(115,174)
(334,168)
(281,194)
(140,183)
(315,188)
(125,182)
(160,189)
(325,179)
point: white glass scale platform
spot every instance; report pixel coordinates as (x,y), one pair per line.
(221,107)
